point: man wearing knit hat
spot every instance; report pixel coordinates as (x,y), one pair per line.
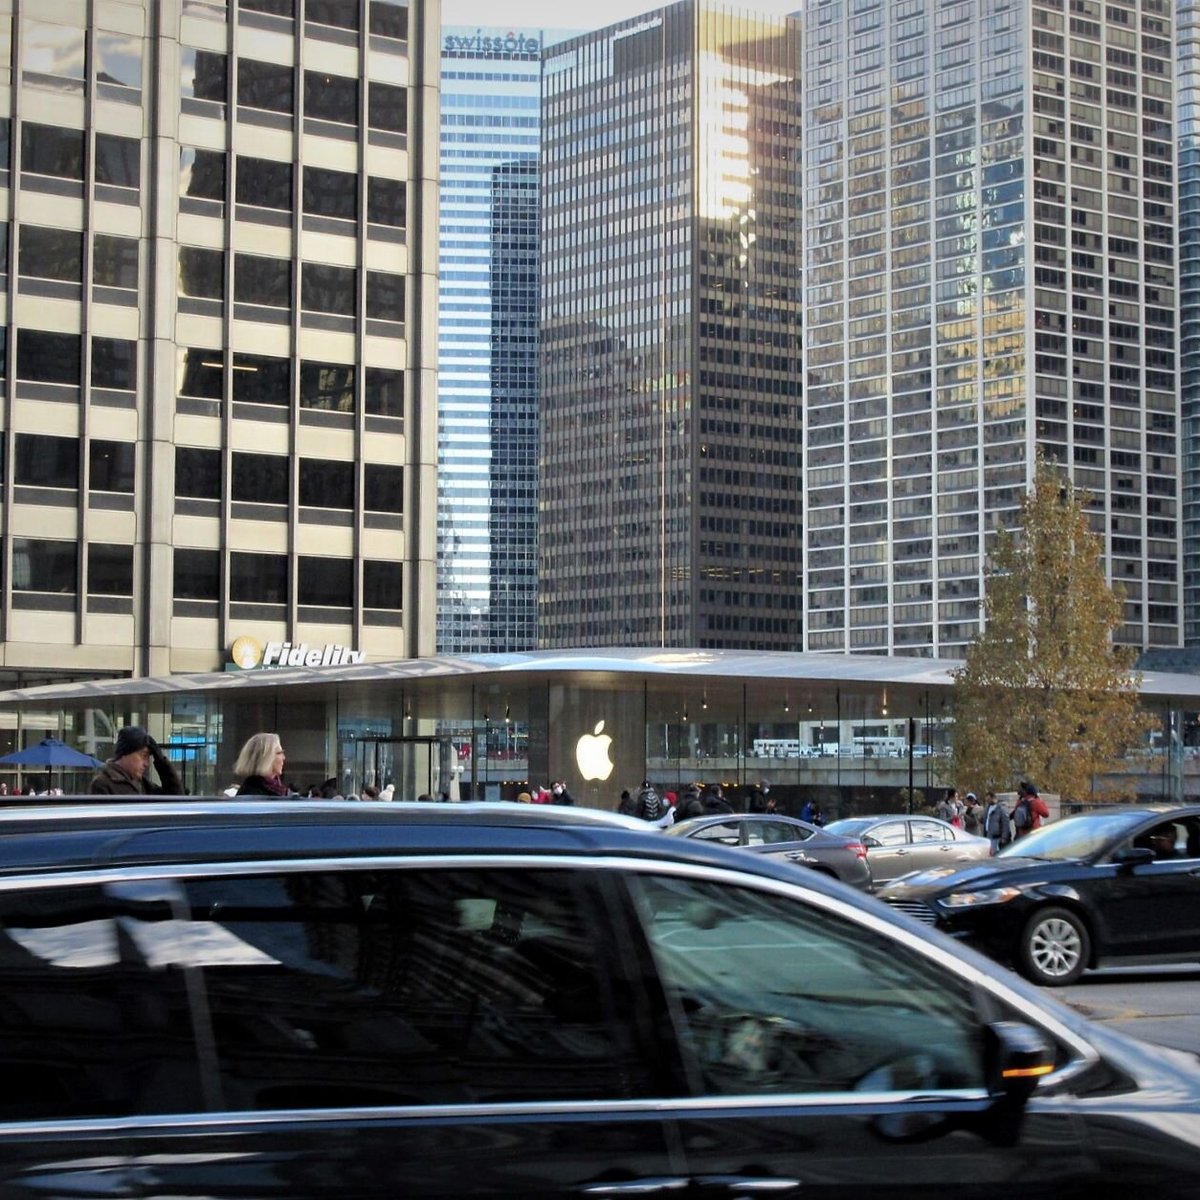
(125,773)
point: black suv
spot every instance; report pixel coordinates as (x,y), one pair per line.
(304,999)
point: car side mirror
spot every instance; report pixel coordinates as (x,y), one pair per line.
(1016,1057)
(1133,856)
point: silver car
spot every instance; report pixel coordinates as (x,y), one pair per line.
(785,838)
(897,844)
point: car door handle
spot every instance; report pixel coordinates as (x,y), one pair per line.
(636,1187)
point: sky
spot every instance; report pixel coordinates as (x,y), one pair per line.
(555,14)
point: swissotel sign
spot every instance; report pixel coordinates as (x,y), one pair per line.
(481,45)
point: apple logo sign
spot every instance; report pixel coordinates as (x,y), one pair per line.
(591,753)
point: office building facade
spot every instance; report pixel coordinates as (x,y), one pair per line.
(990,272)
(671,389)
(219,392)
(487,339)
(1187,18)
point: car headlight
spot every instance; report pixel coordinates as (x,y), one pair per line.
(976,899)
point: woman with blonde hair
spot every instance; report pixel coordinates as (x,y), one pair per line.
(260,766)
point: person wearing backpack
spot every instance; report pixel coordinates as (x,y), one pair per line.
(997,826)
(649,803)
(1029,811)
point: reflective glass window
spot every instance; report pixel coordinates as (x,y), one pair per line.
(329,193)
(201,173)
(342,13)
(383,392)
(265,85)
(387,201)
(385,296)
(261,280)
(198,472)
(259,478)
(114,364)
(261,579)
(389,18)
(48,49)
(44,461)
(118,58)
(262,379)
(201,272)
(328,582)
(40,565)
(45,253)
(118,160)
(110,465)
(114,261)
(331,97)
(326,483)
(204,74)
(44,357)
(387,107)
(327,385)
(51,150)
(200,373)
(110,570)
(197,574)
(383,584)
(325,288)
(383,488)
(264,182)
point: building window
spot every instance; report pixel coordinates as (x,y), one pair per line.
(201,273)
(262,379)
(383,488)
(197,473)
(387,107)
(341,13)
(201,174)
(385,296)
(328,386)
(204,74)
(331,97)
(325,483)
(45,253)
(44,357)
(197,575)
(259,478)
(383,584)
(330,193)
(387,202)
(261,280)
(265,85)
(328,289)
(115,261)
(326,582)
(118,160)
(110,570)
(52,50)
(258,578)
(118,59)
(389,18)
(114,364)
(277,8)
(201,373)
(110,466)
(383,392)
(45,461)
(264,183)
(41,565)
(51,150)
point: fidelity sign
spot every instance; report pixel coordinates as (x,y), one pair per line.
(480,45)
(248,654)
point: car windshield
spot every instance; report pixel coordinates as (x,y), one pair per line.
(1074,837)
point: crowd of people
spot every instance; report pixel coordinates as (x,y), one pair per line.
(990,818)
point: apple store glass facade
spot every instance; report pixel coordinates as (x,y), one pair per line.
(670,491)
(487,339)
(990,273)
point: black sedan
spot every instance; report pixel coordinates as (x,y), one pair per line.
(1118,885)
(844,857)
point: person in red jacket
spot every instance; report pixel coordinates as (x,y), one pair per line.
(1030,810)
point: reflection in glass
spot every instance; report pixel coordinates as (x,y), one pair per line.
(52,49)
(118,58)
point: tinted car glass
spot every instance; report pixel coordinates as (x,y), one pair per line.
(774,996)
(95,1019)
(400,988)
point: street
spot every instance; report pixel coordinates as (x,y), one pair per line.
(1158,1004)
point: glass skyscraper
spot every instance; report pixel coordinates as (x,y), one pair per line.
(671,307)
(487,339)
(1187,20)
(990,243)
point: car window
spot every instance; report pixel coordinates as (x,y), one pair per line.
(1173,839)
(412,987)
(95,1019)
(928,831)
(725,832)
(772,832)
(773,995)
(891,833)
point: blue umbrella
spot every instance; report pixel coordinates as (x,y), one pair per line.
(51,753)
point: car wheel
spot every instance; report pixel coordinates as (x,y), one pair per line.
(1055,947)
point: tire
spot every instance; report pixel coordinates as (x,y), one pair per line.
(1055,947)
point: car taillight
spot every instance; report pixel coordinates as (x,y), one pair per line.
(860,851)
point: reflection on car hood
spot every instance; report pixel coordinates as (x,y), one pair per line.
(1013,873)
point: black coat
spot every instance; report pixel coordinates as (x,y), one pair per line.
(256,785)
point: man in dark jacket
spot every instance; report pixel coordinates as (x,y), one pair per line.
(125,773)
